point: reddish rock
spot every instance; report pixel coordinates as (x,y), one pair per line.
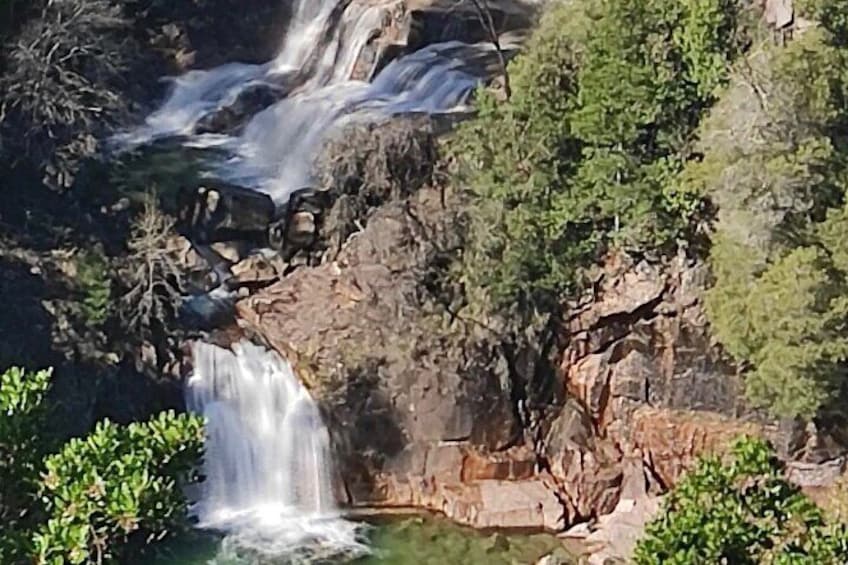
(517,463)
(672,441)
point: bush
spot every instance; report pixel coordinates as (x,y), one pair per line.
(96,286)
(367,165)
(584,155)
(23,417)
(100,496)
(741,512)
(61,85)
(116,489)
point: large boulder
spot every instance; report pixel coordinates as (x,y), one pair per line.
(218,211)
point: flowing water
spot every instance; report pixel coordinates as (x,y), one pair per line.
(274,152)
(268,488)
(267,466)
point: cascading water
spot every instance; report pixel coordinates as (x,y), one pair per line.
(267,462)
(267,466)
(275,150)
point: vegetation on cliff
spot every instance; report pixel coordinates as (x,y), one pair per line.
(676,125)
(583,157)
(778,176)
(741,511)
(98,497)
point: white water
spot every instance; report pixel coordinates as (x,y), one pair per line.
(267,460)
(267,464)
(275,151)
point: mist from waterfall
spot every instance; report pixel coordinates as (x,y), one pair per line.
(267,464)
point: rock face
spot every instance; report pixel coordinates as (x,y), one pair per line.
(431,409)
(417,408)
(424,409)
(642,340)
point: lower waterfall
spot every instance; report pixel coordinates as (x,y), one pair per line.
(267,466)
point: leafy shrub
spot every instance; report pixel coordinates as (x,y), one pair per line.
(742,512)
(96,286)
(584,155)
(116,488)
(23,417)
(100,496)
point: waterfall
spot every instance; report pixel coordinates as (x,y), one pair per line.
(275,150)
(267,466)
(267,463)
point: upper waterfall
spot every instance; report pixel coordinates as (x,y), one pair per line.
(312,73)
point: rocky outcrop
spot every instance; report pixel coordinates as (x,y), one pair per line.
(420,405)
(671,441)
(410,25)
(640,340)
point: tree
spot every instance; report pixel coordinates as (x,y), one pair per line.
(152,277)
(742,511)
(583,157)
(774,164)
(99,496)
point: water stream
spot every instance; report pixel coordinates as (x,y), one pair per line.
(274,152)
(267,463)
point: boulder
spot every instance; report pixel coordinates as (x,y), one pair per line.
(247,104)
(218,211)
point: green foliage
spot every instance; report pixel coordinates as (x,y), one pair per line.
(831,14)
(23,416)
(96,286)
(101,495)
(117,485)
(511,157)
(584,156)
(776,168)
(789,323)
(742,512)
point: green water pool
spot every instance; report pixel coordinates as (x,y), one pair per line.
(415,540)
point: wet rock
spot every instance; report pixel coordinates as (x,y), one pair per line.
(247,104)
(208,311)
(217,211)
